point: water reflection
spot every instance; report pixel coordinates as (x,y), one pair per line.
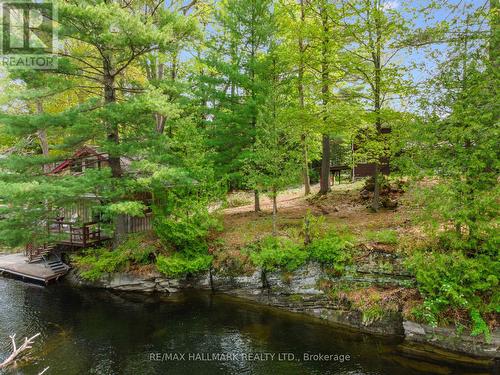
(97,332)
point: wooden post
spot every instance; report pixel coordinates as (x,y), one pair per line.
(85,233)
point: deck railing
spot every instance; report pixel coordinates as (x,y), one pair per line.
(83,234)
(33,251)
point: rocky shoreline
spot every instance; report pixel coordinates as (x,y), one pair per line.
(298,292)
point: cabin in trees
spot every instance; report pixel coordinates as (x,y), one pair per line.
(80,223)
(343,155)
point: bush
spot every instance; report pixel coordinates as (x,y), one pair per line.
(277,253)
(180,264)
(332,250)
(184,228)
(97,262)
(454,281)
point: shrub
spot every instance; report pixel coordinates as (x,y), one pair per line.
(455,281)
(313,226)
(184,228)
(332,250)
(180,264)
(273,253)
(97,262)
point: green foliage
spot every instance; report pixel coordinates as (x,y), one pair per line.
(51,116)
(455,145)
(131,208)
(178,264)
(248,106)
(277,253)
(314,226)
(237,56)
(96,263)
(182,216)
(386,236)
(332,250)
(455,281)
(372,314)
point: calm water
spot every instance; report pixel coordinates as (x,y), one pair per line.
(97,332)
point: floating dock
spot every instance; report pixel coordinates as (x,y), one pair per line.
(17,266)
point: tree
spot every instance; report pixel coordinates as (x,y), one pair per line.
(324,61)
(377,33)
(113,37)
(453,147)
(274,162)
(455,139)
(295,32)
(235,58)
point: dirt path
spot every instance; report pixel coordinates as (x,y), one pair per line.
(342,209)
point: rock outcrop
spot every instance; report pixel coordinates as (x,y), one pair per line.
(300,292)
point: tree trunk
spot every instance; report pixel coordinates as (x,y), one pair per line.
(257,200)
(113,134)
(160,119)
(42,137)
(307,181)
(376,189)
(325,166)
(254,115)
(121,229)
(325,93)
(377,56)
(352,161)
(275,213)
(305,173)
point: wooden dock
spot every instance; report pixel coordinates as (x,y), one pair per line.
(17,265)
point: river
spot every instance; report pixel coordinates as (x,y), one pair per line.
(99,332)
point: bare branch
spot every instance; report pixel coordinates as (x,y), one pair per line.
(17,352)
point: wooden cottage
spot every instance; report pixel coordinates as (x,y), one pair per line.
(79,224)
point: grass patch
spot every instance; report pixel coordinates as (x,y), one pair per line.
(384,236)
(238,200)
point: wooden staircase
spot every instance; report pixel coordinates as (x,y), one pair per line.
(44,254)
(37,253)
(57,266)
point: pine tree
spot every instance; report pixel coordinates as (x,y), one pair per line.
(455,142)
(274,163)
(235,84)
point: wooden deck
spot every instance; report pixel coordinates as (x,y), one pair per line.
(78,235)
(17,265)
(81,243)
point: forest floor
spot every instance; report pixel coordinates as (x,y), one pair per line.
(344,209)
